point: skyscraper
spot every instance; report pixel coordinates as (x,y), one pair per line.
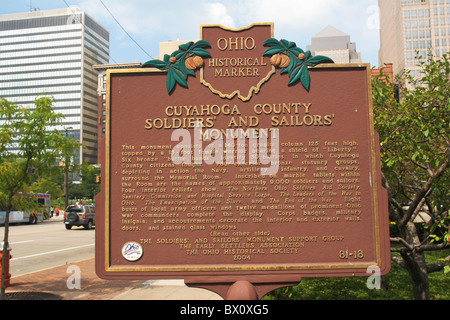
(409,29)
(52,53)
(335,44)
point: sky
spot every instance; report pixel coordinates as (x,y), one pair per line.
(138,26)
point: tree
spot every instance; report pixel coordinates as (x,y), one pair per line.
(88,188)
(46,185)
(415,152)
(38,148)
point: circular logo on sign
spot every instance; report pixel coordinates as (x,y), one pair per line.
(132,251)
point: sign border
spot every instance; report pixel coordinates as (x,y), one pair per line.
(254,89)
(336,268)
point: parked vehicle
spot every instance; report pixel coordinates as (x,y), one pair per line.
(79,215)
(39,212)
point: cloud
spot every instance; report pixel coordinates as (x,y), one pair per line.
(217,13)
(289,16)
(299,20)
(293,14)
(296,20)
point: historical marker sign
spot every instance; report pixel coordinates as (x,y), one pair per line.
(241,157)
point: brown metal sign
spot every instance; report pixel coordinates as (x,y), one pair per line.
(241,157)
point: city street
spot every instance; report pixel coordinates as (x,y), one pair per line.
(46,245)
(43,253)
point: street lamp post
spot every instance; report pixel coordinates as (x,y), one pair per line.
(66,175)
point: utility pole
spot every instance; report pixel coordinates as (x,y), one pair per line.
(66,175)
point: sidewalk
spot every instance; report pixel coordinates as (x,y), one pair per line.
(51,284)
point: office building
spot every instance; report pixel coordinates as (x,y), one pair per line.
(335,44)
(102,87)
(164,48)
(53,53)
(409,29)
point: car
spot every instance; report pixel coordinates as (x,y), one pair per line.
(79,215)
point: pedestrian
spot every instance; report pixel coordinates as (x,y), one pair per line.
(57,212)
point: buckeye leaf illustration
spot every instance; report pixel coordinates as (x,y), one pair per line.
(301,73)
(293,60)
(158,64)
(175,76)
(182,63)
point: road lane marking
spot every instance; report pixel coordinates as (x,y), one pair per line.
(51,252)
(38,231)
(20,242)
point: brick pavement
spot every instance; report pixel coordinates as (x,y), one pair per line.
(54,281)
(51,284)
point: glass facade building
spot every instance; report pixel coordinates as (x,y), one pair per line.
(410,29)
(52,53)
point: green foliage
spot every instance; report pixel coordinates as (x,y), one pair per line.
(414,130)
(88,188)
(395,286)
(38,147)
(412,118)
(414,134)
(45,185)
